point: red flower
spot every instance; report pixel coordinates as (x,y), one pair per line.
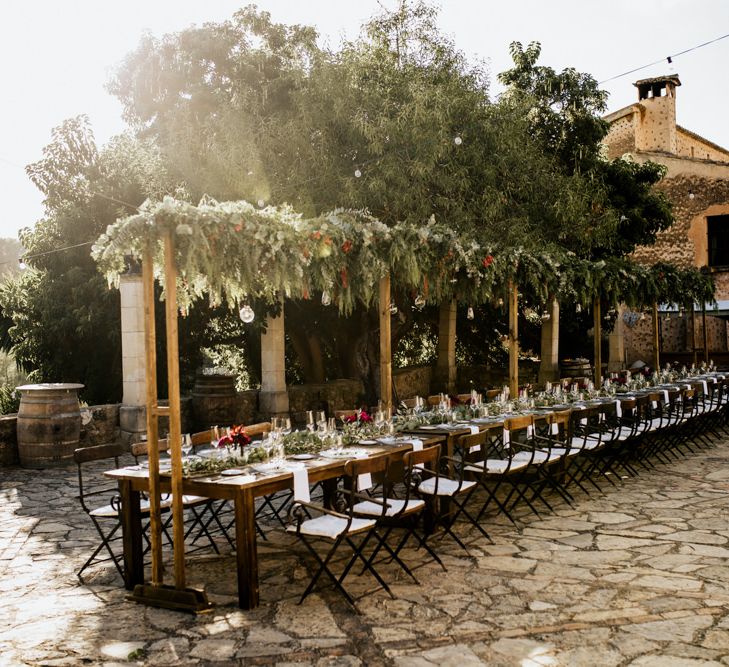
(316,235)
(237,436)
(305,295)
(238,228)
(487,261)
(346,246)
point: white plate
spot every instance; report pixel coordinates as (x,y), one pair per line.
(349,453)
(232,472)
(303,457)
(367,442)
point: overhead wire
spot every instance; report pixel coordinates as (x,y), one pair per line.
(667,58)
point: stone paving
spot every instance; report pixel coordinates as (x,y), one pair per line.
(638,576)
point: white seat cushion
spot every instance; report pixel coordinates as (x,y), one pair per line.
(395,506)
(109,511)
(590,442)
(332,527)
(446,486)
(497,466)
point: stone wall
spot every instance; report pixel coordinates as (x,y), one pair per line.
(8,440)
(412,381)
(621,137)
(675,336)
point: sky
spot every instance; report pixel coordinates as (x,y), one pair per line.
(57,56)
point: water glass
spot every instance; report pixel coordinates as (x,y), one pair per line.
(186,444)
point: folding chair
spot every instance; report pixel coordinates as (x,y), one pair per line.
(313,523)
(404,511)
(197,505)
(106,518)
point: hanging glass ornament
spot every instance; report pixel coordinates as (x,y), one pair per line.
(578,308)
(357,173)
(457,141)
(469,313)
(419,301)
(22,265)
(393,308)
(326,298)
(183,229)
(546,316)
(246,314)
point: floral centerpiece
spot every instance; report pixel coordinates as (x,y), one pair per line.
(237,437)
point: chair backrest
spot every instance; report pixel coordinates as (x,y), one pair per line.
(258,429)
(559,423)
(419,466)
(98,453)
(409,402)
(142,448)
(464,398)
(521,423)
(84,455)
(491,394)
(434,399)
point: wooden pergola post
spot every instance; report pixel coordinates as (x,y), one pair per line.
(656,340)
(693,333)
(597,329)
(513,339)
(705,332)
(150,356)
(385,344)
(174,437)
(157,593)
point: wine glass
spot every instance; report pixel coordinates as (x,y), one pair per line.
(286,425)
(321,420)
(310,423)
(186,444)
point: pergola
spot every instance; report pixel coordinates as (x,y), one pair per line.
(233,252)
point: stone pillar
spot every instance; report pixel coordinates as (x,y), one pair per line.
(549,366)
(132,412)
(444,378)
(274,398)
(616,340)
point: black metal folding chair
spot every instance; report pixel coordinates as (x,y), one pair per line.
(314,523)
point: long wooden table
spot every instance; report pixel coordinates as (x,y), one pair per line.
(132,482)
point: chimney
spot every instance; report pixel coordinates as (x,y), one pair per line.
(656,129)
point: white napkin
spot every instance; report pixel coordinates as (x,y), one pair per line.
(706,389)
(654,405)
(530,431)
(301,484)
(417,447)
(506,439)
(364,481)
(666,400)
(618,409)
(555,427)
(583,422)
(474,429)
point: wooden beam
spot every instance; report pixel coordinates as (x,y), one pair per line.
(174,436)
(656,340)
(705,333)
(150,356)
(597,329)
(513,339)
(385,344)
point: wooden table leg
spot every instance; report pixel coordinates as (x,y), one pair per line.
(245,549)
(329,487)
(131,520)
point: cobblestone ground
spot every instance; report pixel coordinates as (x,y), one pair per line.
(637,576)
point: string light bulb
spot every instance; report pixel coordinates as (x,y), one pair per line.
(578,308)
(357,173)
(393,308)
(469,313)
(22,265)
(246,314)
(419,301)
(261,203)
(326,298)
(457,141)
(183,229)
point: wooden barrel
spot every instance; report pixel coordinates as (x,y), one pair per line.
(49,424)
(214,401)
(570,368)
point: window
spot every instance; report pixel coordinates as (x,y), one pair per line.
(717,228)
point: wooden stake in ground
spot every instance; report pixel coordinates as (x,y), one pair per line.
(385,344)
(597,324)
(693,333)
(513,339)
(150,355)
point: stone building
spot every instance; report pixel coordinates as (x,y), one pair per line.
(697,184)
